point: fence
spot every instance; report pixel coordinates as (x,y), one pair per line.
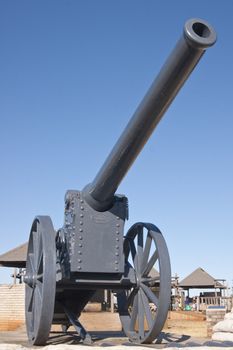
(204,302)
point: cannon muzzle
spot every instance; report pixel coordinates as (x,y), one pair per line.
(197,36)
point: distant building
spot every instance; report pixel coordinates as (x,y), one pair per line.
(15,257)
(200,279)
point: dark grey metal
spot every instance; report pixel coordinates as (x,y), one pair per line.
(149,255)
(40,280)
(89,252)
(198,35)
(95,229)
(81,331)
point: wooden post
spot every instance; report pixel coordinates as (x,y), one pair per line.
(112,302)
(14,275)
(198,303)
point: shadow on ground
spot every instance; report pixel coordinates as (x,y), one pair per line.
(113,338)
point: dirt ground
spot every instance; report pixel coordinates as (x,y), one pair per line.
(177,323)
(105,328)
(196,329)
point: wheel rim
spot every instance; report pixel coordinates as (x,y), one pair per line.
(40,280)
(143,310)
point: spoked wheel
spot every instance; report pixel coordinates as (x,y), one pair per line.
(40,280)
(143,309)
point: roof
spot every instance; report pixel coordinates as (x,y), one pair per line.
(15,257)
(154,273)
(200,279)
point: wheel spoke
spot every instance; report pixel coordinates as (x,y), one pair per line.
(140,316)
(134,254)
(31,261)
(40,277)
(37,308)
(147,309)
(134,313)
(39,289)
(150,280)
(30,298)
(146,251)
(150,295)
(40,255)
(131,298)
(32,326)
(150,264)
(140,248)
(40,264)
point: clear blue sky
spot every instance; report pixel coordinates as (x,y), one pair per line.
(72,73)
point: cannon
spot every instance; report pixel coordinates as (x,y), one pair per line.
(65,267)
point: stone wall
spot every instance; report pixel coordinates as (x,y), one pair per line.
(11,306)
(213,316)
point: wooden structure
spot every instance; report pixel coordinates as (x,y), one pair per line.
(15,257)
(200,279)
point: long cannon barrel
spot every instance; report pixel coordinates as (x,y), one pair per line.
(197,36)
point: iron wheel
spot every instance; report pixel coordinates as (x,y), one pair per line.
(143,310)
(40,280)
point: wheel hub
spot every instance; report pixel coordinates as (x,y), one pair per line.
(30,280)
(138,280)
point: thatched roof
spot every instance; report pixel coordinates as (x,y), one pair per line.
(15,257)
(200,279)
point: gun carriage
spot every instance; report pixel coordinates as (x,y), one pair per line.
(65,267)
